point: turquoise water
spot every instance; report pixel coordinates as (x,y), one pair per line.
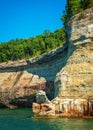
(22,119)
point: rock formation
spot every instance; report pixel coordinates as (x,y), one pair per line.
(20,79)
(65,74)
(43,107)
(74,82)
(41,97)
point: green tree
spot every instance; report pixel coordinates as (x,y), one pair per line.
(86,3)
(75,6)
(31,47)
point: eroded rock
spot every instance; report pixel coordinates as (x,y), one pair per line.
(43,107)
(41,97)
(74,82)
(73,107)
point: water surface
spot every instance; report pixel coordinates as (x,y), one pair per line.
(22,119)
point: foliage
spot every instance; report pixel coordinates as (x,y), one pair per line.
(86,3)
(75,6)
(35,93)
(31,47)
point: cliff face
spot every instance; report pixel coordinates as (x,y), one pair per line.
(19,80)
(74,82)
(76,78)
(66,73)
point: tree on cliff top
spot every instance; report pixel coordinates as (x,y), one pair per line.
(32,47)
(75,6)
(86,3)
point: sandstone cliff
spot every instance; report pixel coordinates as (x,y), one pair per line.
(19,80)
(65,73)
(76,76)
(74,82)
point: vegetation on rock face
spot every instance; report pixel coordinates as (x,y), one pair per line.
(75,6)
(31,47)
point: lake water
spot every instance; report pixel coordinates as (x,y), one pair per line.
(22,119)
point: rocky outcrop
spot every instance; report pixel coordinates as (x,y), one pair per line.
(76,76)
(41,97)
(43,107)
(80,27)
(60,107)
(73,107)
(65,74)
(19,80)
(74,81)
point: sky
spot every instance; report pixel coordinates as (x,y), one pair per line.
(29,18)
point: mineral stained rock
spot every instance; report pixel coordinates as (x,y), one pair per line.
(19,80)
(74,82)
(65,74)
(43,107)
(73,107)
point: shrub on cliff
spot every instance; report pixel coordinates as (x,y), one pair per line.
(75,6)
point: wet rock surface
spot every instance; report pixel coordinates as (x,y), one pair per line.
(60,107)
(73,107)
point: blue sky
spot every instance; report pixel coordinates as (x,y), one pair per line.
(28,18)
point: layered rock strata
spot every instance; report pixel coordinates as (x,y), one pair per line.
(19,80)
(74,82)
(65,73)
(60,107)
(43,107)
